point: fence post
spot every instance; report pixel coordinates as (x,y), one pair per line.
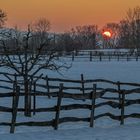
(93,98)
(30,99)
(82,82)
(47,85)
(90,55)
(127,57)
(14,109)
(121,102)
(58,107)
(122,108)
(119,91)
(34,99)
(14,86)
(136,57)
(100,57)
(72,56)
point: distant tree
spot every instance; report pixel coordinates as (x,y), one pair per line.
(85,36)
(130,28)
(125,40)
(3,18)
(40,35)
(32,53)
(65,42)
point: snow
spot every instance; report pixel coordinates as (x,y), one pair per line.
(129,132)
(114,70)
(105,128)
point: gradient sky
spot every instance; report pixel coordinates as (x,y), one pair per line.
(64,14)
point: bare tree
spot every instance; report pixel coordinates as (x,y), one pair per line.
(84,36)
(65,43)
(125,40)
(3,18)
(130,28)
(32,53)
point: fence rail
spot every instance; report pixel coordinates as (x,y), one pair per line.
(93,93)
(102,55)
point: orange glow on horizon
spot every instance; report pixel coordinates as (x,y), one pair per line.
(65,14)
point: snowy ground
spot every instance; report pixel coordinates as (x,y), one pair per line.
(127,132)
(105,128)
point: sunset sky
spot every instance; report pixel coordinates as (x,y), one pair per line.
(64,14)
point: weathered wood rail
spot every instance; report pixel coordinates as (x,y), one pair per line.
(92,92)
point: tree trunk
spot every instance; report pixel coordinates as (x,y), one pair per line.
(27,97)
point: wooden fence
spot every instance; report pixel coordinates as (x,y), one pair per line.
(93,92)
(102,56)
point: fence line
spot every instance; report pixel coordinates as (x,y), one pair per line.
(85,93)
(101,56)
(48,79)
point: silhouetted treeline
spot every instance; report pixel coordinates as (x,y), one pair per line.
(125,34)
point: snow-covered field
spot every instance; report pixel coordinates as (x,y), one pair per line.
(105,128)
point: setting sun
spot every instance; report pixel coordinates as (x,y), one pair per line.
(107,34)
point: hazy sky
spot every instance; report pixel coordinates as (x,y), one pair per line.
(64,14)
